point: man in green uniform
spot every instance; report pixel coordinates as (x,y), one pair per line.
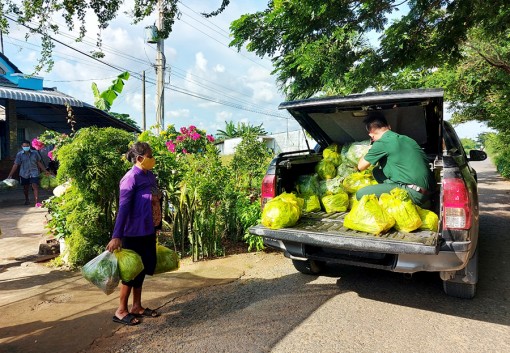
(402,163)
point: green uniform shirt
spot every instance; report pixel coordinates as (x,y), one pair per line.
(401,159)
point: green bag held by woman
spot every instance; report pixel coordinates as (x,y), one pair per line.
(166,260)
(130,264)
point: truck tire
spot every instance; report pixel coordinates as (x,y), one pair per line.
(459,290)
(309,267)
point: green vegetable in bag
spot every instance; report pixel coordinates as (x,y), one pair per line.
(130,264)
(330,186)
(429,220)
(400,206)
(325,169)
(336,203)
(344,170)
(103,272)
(282,211)
(308,184)
(311,203)
(332,154)
(368,216)
(166,260)
(358,180)
(351,153)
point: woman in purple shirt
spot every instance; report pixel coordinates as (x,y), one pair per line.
(138,217)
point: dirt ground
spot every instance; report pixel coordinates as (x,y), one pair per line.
(257,299)
(45,309)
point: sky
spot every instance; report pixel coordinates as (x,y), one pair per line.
(199,63)
(219,83)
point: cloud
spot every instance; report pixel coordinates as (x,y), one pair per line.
(219,68)
(180,113)
(200,62)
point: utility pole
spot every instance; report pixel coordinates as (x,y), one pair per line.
(160,72)
(143,101)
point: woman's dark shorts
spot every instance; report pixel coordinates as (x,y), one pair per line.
(145,246)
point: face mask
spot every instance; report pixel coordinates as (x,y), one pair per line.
(148,163)
(26,149)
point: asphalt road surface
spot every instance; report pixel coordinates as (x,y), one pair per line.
(273,308)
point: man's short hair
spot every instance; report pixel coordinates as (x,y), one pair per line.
(27,142)
(375,120)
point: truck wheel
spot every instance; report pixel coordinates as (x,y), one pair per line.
(459,290)
(309,267)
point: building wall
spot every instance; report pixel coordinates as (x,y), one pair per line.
(278,143)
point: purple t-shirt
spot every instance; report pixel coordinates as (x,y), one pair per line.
(134,217)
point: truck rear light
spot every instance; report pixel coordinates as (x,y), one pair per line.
(268,189)
(456,204)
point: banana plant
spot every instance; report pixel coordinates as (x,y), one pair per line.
(104,100)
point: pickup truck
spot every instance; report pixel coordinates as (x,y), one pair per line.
(320,238)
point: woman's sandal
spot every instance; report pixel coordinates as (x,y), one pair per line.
(147,313)
(126,320)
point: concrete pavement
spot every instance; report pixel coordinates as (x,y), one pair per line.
(47,309)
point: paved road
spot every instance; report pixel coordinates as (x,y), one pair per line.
(272,308)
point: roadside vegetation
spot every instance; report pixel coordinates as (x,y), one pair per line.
(209,204)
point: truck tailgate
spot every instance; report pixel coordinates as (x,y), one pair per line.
(326,230)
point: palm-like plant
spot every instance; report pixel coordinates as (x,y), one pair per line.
(241,129)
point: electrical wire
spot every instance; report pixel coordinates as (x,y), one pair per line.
(170,87)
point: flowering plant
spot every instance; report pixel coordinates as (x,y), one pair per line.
(37,144)
(50,139)
(189,140)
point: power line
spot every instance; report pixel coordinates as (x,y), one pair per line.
(171,87)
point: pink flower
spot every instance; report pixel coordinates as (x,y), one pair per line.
(38,204)
(210,138)
(192,128)
(184,151)
(180,138)
(170,145)
(50,155)
(195,136)
(38,145)
(184,131)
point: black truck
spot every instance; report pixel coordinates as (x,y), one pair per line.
(319,238)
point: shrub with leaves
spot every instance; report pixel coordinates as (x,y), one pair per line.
(94,162)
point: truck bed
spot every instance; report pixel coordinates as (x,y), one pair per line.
(321,229)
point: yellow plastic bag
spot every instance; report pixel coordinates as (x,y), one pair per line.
(358,180)
(429,220)
(325,169)
(282,211)
(166,260)
(311,203)
(335,203)
(332,154)
(130,264)
(400,206)
(368,216)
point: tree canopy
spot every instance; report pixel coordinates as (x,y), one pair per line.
(38,16)
(323,45)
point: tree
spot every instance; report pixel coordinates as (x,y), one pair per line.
(38,16)
(322,46)
(239,130)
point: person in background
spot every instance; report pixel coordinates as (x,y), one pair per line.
(402,163)
(29,163)
(138,218)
